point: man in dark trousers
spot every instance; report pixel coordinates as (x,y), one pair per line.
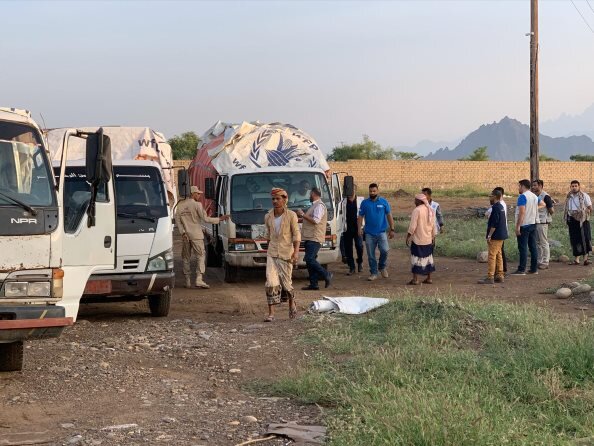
(313,233)
(351,235)
(496,234)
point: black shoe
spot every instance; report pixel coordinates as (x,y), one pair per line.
(310,288)
(360,267)
(328,280)
(533,272)
(518,273)
(351,272)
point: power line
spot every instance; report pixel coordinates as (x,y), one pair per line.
(582,16)
(588,2)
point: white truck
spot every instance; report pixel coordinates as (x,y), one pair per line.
(238,165)
(144,190)
(44,264)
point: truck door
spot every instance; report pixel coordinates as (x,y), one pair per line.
(338,205)
(85,248)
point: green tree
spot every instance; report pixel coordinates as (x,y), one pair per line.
(479,154)
(580,157)
(543,158)
(184,146)
(365,150)
(407,156)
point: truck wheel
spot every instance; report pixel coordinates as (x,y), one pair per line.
(231,273)
(11,357)
(159,304)
(213,260)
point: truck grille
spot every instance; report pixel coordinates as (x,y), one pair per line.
(131,264)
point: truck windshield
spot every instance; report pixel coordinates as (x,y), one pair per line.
(139,192)
(24,169)
(251,192)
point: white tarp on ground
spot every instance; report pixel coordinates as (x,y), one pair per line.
(255,145)
(347,305)
(127,143)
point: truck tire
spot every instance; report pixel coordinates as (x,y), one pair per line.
(159,304)
(231,273)
(213,260)
(11,357)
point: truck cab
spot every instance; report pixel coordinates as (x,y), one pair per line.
(44,265)
(144,265)
(245,195)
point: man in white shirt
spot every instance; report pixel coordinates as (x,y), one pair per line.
(526,218)
(439,223)
(578,208)
(302,194)
(313,234)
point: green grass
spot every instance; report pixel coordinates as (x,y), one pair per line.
(439,374)
(465,237)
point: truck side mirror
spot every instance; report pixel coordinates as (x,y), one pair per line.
(349,186)
(209,189)
(98,157)
(98,166)
(183,183)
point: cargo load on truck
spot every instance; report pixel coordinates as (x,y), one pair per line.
(127,143)
(228,147)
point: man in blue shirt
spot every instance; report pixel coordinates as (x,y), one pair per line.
(378,218)
(496,235)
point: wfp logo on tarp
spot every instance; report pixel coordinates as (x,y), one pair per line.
(280,154)
(148,143)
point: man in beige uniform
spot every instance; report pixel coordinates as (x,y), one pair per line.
(313,232)
(189,216)
(282,230)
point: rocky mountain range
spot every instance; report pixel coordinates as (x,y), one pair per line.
(509,140)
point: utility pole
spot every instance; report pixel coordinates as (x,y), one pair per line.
(534,152)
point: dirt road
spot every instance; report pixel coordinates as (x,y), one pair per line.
(121,377)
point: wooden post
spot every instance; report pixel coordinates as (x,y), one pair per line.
(534,133)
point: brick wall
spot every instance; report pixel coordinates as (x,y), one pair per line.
(482,175)
(485,175)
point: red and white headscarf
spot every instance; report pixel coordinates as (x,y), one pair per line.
(423,198)
(279,191)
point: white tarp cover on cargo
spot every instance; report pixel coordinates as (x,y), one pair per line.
(255,145)
(127,143)
(347,305)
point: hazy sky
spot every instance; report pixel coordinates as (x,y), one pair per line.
(399,71)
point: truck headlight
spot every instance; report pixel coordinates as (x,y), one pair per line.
(27,289)
(161,262)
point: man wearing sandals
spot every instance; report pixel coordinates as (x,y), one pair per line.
(421,239)
(578,207)
(284,237)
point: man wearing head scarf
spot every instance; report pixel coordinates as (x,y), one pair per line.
(189,216)
(420,238)
(284,237)
(578,207)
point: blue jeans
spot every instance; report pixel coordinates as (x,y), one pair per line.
(527,241)
(371,243)
(314,268)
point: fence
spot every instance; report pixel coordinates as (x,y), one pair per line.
(482,175)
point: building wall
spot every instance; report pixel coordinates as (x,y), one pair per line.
(483,175)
